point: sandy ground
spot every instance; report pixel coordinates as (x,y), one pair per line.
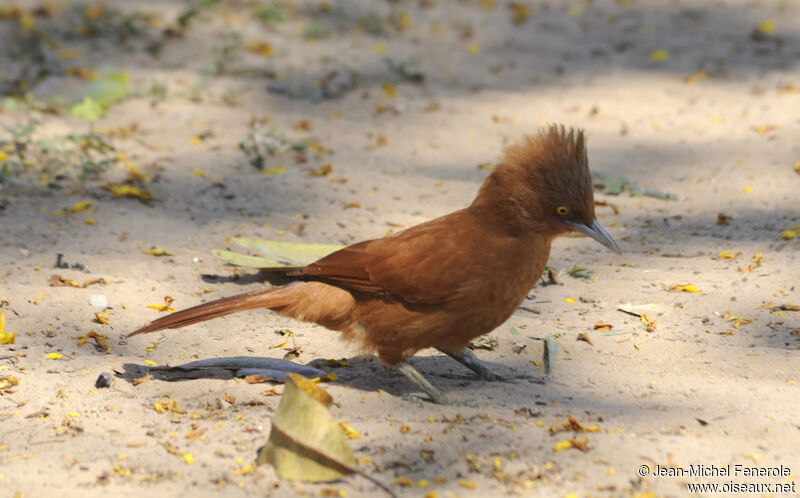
(706,386)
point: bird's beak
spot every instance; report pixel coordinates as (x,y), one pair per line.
(597,232)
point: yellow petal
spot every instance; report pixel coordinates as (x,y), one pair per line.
(767,27)
(790,233)
(54,356)
(685,288)
(279,170)
(349,431)
(157,251)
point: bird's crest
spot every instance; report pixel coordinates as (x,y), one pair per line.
(540,172)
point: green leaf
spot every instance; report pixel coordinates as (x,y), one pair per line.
(88,109)
(275,254)
(289,253)
(244,260)
(110,89)
(579,272)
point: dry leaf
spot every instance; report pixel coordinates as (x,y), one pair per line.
(305,442)
(157,251)
(578,444)
(685,288)
(5,337)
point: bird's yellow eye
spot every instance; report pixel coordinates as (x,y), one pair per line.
(562,210)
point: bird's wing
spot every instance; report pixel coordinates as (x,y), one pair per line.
(424,264)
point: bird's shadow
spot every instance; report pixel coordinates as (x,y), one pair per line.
(364,373)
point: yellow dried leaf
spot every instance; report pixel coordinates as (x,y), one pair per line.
(126,190)
(464,483)
(141,380)
(754,456)
(353,204)
(349,431)
(77,208)
(5,337)
(162,307)
(304,125)
(199,172)
(324,170)
(685,288)
(698,76)
(277,170)
(157,251)
(767,27)
(261,48)
(570,300)
(54,356)
(659,55)
(755,262)
(790,233)
(650,325)
(726,254)
(520,12)
(27,20)
(579,444)
(389,90)
(603,327)
(168,300)
(404,482)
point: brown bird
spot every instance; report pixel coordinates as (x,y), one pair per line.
(447,281)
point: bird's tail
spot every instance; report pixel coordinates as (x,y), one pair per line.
(273,298)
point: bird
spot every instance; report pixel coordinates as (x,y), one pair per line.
(447,281)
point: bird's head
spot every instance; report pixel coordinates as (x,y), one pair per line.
(546,178)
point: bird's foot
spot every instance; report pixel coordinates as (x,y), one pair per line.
(414,375)
(467,358)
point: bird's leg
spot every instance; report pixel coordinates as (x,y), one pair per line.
(467,358)
(416,377)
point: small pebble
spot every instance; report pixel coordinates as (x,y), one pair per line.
(103,380)
(98,301)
